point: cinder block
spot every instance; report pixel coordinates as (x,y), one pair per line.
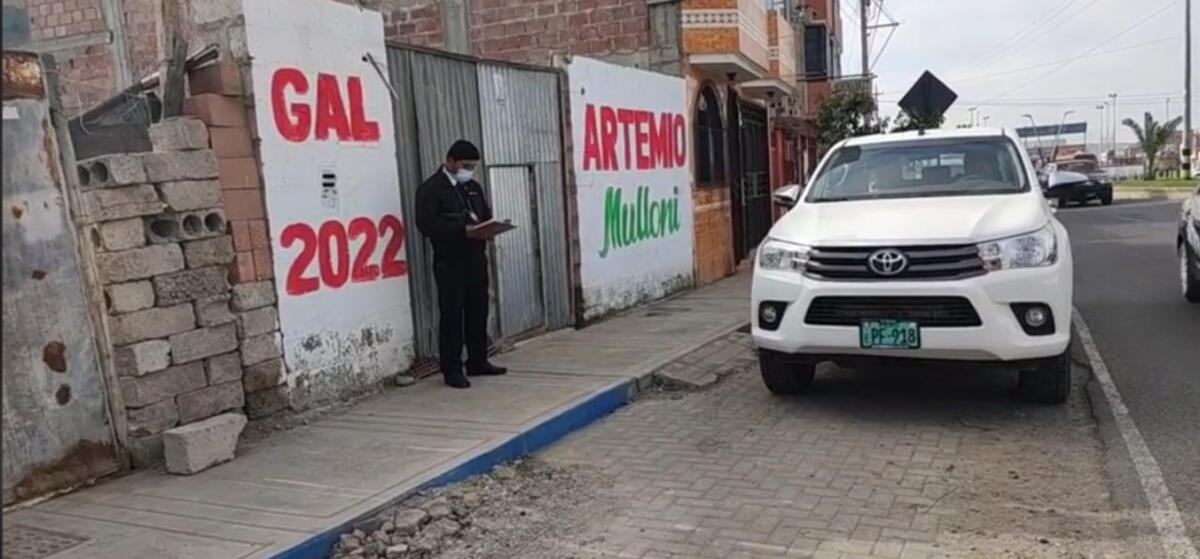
(210,401)
(190,285)
(208,252)
(107,171)
(258,322)
(231,142)
(183,196)
(239,173)
(145,390)
(146,451)
(142,358)
(244,204)
(151,323)
(139,263)
(153,419)
(193,448)
(217,110)
(203,342)
(179,134)
(224,368)
(123,234)
(268,374)
(129,297)
(222,77)
(214,311)
(180,165)
(119,203)
(261,348)
(266,402)
(250,296)
(187,226)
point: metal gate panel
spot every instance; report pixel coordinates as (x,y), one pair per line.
(520,112)
(57,431)
(436,103)
(518,259)
(755,178)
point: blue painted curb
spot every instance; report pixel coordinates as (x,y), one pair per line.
(539,436)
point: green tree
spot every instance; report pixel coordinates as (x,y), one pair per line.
(845,114)
(905,122)
(1153,136)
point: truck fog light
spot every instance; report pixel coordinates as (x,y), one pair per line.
(770,314)
(1036,316)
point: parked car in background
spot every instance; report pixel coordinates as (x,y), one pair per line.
(1188,245)
(1094,184)
(931,246)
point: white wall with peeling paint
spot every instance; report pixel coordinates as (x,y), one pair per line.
(652,257)
(324,116)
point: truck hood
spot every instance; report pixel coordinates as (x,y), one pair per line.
(909,221)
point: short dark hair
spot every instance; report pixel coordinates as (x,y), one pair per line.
(463,150)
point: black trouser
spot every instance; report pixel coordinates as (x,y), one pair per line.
(462,286)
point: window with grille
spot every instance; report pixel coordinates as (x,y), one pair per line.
(710,144)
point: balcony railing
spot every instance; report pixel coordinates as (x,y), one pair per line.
(727,37)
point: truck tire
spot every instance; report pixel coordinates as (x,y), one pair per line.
(1188,279)
(782,377)
(1049,382)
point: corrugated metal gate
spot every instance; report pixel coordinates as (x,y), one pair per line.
(513,114)
(57,430)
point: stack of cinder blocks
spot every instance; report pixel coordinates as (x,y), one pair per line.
(157,223)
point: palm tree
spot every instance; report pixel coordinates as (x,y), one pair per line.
(1153,136)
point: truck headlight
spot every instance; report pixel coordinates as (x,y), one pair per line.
(779,255)
(1031,250)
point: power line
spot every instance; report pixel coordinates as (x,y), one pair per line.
(1044,24)
(1015,38)
(1043,65)
(1095,47)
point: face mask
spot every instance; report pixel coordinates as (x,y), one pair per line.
(463,176)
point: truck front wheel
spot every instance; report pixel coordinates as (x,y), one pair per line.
(782,377)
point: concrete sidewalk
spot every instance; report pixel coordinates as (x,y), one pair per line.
(285,497)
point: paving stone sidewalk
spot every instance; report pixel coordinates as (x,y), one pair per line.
(884,464)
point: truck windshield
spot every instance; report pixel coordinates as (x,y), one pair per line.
(913,169)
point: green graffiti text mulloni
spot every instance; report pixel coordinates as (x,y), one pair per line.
(627,224)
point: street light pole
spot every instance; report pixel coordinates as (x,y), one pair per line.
(1116,120)
(1037,139)
(972,111)
(1103,123)
(1058,133)
(1187,89)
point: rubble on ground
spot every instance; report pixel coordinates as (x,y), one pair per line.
(495,509)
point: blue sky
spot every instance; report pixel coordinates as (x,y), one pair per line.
(974,46)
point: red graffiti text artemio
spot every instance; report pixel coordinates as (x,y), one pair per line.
(330,115)
(649,140)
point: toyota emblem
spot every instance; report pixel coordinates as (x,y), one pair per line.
(887,262)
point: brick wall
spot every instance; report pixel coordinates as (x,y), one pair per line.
(533,31)
(714,234)
(413,22)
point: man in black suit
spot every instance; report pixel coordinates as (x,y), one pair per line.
(449,204)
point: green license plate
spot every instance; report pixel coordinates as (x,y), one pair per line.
(889,334)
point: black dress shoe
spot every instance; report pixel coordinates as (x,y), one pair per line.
(487,369)
(456,380)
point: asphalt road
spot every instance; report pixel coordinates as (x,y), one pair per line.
(1127,288)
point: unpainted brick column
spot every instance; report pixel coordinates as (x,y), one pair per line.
(162,248)
(221,97)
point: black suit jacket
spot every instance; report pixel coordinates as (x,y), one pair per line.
(442,216)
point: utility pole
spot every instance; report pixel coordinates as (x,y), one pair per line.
(862,22)
(1187,89)
(1116,120)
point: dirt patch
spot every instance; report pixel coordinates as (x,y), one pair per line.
(506,513)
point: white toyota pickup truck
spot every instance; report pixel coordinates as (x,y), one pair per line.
(934,246)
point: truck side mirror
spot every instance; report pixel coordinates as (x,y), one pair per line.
(787,196)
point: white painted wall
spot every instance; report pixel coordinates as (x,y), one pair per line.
(340,262)
(653,256)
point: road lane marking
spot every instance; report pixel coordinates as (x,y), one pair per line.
(1164,511)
